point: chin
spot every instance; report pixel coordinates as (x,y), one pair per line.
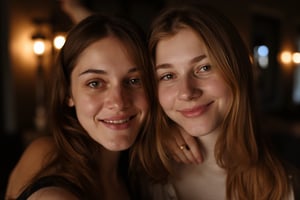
(197,131)
(118,146)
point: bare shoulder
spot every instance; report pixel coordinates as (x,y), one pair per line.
(37,149)
(52,193)
(35,156)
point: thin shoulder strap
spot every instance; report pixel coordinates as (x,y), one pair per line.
(296,184)
(294,175)
(49,181)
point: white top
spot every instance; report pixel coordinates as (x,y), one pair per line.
(205,181)
(168,192)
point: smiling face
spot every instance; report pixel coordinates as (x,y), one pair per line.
(107,93)
(191,91)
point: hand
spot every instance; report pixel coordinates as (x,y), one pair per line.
(183,148)
(75,10)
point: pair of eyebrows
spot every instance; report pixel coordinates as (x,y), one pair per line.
(100,71)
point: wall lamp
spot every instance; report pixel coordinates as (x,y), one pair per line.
(39,44)
(39,47)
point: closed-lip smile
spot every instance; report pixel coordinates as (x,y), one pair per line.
(195,111)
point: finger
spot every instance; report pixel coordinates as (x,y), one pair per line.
(185,148)
(183,156)
(176,158)
(171,147)
(182,150)
(188,153)
(194,148)
(175,152)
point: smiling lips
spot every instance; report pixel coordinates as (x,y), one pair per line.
(196,111)
(118,123)
(121,121)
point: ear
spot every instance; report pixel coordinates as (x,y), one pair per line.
(70,102)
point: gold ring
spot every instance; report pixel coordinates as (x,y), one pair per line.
(183,146)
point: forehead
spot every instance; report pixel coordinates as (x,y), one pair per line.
(107,53)
(186,43)
(105,45)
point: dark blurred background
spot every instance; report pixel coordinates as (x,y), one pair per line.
(271,28)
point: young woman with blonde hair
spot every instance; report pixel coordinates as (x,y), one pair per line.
(206,90)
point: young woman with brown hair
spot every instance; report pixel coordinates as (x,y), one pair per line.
(99,105)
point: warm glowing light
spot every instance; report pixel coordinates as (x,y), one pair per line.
(296,57)
(59,41)
(286,57)
(39,47)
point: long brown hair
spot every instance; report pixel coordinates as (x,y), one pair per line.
(76,154)
(253,171)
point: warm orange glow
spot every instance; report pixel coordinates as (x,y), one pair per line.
(59,41)
(286,57)
(21,49)
(296,57)
(39,47)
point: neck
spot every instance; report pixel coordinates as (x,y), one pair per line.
(207,145)
(113,184)
(108,164)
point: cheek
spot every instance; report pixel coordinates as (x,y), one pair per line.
(221,91)
(224,93)
(87,106)
(166,97)
(218,87)
(138,101)
(142,102)
(228,99)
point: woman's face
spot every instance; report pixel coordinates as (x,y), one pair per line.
(191,91)
(107,93)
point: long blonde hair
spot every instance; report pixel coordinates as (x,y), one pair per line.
(253,171)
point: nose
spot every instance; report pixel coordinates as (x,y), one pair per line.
(187,89)
(117,98)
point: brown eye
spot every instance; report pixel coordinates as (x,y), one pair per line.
(205,68)
(166,77)
(201,70)
(95,84)
(134,82)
